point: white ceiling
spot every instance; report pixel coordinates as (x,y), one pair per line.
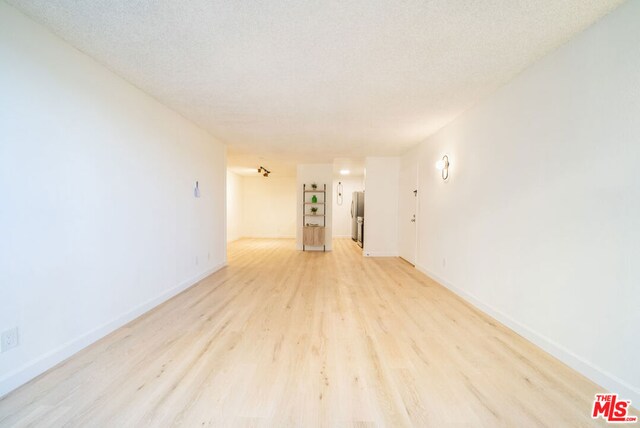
(290,81)
(354,166)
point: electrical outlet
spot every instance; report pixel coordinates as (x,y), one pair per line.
(196,260)
(9,339)
(444,262)
(209,256)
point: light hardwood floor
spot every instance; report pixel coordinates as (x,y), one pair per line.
(286,338)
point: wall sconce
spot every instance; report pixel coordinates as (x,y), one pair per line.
(443,166)
(339,193)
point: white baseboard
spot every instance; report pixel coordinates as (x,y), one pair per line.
(39,365)
(379,254)
(597,375)
(262,237)
(270,237)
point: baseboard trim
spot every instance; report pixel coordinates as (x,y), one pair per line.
(597,375)
(379,254)
(270,237)
(39,365)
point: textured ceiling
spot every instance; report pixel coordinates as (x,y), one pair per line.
(308,81)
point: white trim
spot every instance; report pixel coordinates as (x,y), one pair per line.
(269,237)
(411,263)
(41,364)
(380,254)
(586,368)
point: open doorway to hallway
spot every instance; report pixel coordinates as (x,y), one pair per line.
(348,213)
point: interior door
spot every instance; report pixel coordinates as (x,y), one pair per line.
(408,204)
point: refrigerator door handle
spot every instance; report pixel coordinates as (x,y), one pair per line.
(351,208)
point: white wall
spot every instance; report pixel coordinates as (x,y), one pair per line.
(320,174)
(235,209)
(540,220)
(342,213)
(269,207)
(381,206)
(98,221)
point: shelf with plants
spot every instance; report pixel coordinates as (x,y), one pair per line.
(313,216)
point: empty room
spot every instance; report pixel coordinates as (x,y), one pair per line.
(420,213)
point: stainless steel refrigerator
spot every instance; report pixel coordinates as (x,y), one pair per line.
(357,210)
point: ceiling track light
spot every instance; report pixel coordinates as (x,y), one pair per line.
(265,172)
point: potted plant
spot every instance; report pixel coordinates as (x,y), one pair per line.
(314,210)
(314,186)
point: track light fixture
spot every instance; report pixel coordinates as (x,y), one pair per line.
(265,172)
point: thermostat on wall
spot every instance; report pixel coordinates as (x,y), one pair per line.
(196,190)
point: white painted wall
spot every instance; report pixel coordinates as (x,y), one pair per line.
(269,206)
(342,213)
(381,206)
(98,221)
(319,174)
(540,220)
(235,209)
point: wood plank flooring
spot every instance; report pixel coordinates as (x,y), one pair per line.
(285,338)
